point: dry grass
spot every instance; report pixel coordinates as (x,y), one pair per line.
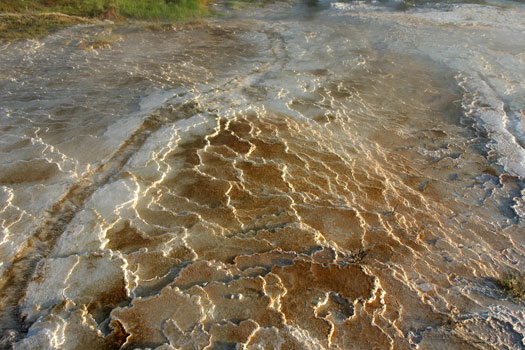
(36,18)
(101,41)
(35,25)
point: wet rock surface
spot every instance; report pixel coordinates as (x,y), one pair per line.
(286,183)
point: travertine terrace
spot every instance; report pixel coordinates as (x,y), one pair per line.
(292,178)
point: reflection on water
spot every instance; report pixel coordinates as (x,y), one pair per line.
(263,182)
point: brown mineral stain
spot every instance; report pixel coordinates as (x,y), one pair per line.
(242,299)
(274,231)
(266,259)
(324,255)
(144,317)
(341,225)
(232,333)
(167,219)
(240,126)
(128,239)
(15,146)
(199,188)
(104,302)
(187,152)
(216,166)
(201,272)
(261,176)
(26,172)
(230,140)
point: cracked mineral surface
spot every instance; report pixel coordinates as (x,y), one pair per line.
(340,176)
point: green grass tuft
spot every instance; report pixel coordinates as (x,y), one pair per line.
(36,18)
(162,10)
(137,9)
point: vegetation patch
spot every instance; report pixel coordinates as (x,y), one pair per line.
(137,9)
(18,26)
(241,4)
(162,10)
(101,41)
(513,285)
(36,18)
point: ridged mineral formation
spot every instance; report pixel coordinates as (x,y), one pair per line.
(272,197)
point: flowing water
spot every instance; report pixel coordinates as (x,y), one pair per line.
(298,176)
